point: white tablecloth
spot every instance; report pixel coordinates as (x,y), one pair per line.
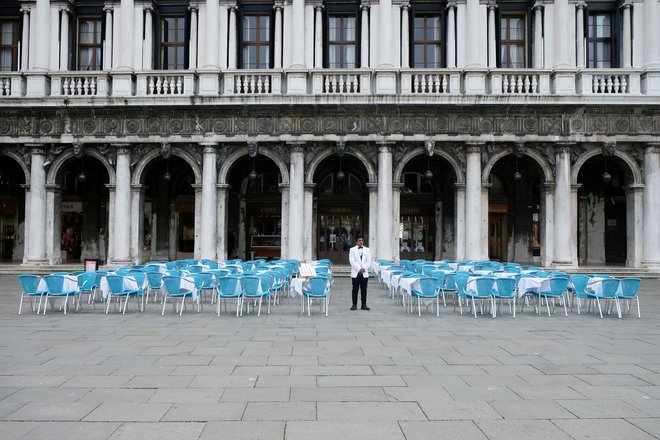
(595,285)
(129,284)
(297,286)
(70,283)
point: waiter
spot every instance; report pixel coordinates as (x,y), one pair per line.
(360,259)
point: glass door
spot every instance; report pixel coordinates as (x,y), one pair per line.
(337,234)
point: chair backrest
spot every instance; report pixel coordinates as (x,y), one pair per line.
(629,287)
(115,283)
(171,284)
(429,286)
(229,285)
(174,272)
(450,282)
(139,278)
(610,286)
(251,284)
(86,281)
(54,282)
(212,265)
(208,280)
(29,283)
(197,277)
(554,285)
(439,275)
(267,280)
(506,286)
(155,280)
(151,268)
(485,285)
(318,286)
(195,268)
(461,280)
(579,284)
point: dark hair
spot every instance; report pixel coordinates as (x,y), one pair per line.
(359,237)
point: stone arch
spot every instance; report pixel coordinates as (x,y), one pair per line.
(66,155)
(625,157)
(21,163)
(538,158)
(327,152)
(408,156)
(175,151)
(240,152)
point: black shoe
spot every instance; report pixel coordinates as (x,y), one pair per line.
(364,308)
(354,307)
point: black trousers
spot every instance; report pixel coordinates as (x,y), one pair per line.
(360,282)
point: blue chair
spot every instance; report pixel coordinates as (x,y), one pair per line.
(608,291)
(208,284)
(461,279)
(579,289)
(55,284)
(117,291)
(629,288)
(440,275)
(319,288)
(253,290)
(155,280)
(552,288)
(87,284)
(229,287)
(173,289)
(429,288)
(506,289)
(30,288)
(485,290)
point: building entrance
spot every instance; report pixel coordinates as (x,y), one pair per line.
(497,236)
(339,227)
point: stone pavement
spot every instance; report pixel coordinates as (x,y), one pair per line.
(381,374)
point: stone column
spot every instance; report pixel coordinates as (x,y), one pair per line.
(223,250)
(137,222)
(485,189)
(107,43)
(64,40)
(36,252)
(53,224)
(126,40)
(547,227)
(25,39)
(209,197)
(310,36)
(233,39)
(318,36)
(384,223)
(579,34)
(651,34)
(224,41)
(277,50)
(396,219)
(538,35)
(198,221)
(405,36)
(111,221)
(298,43)
(635,225)
(284,188)
(296,200)
(459,221)
(122,229)
(192,44)
(563,207)
(473,214)
(626,49)
(451,34)
(212,36)
(472,32)
(385,35)
(148,46)
(54,39)
(652,206)
(138,32)
(561,33)
(364,37)
(372,240)
(308,219)
(492,38)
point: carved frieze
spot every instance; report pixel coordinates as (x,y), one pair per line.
(53,151)
(138,153)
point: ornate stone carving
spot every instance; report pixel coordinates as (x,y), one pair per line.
(78,150)
(109,152)
(196,152)
(577,151)
(609,148)
(548,151)
(340,148)
(223,152)
(458,152)
(138,153)
(371,151)
(54,151)
(486,153)
(252,148)
(197,126)
(397,153)
(283,153)
(24,152)
(429,147)
(518,149)
(312,151)
(165,150)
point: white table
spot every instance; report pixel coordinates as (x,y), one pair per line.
(128,284)
(70,283)
(595,285)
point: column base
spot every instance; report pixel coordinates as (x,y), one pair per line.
(37,84)
(296,82)
(567,265)
(39,262)
(652,266)
(120,263)
(209,83)
(563,82)
(474,81)
(123,84)
(385,82)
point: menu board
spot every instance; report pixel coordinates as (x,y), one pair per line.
(306,270)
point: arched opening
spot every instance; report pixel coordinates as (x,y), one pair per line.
(602,211)
(515,214)
(254,228)
(168,220)
(426,223)
(83,211)
(12,211)
(342,206)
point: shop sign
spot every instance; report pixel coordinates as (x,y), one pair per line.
(72,207)
(409,210)
(185,206)
(341,210)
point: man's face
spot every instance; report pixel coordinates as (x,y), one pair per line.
(360,242)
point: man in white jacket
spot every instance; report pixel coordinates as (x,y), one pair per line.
(360,259)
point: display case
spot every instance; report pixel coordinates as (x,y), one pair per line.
(265,246)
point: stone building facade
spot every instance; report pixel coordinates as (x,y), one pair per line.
(135,130)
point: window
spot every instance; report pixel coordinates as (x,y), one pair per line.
(599,40)
(342,42)
(256,41)
(89,43)
(427,40)
(513,29)
(172,42)
(8,44)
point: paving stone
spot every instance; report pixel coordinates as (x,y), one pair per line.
(202,412)
(330,430)
(415,394)
(128,412)
(264,381)
(368,411)
(338,394)
(246,430)
(453,410)
(530,409)
(460,430)
(52,411)
(71,431)
(256,395)
(555,392)
(601,409)
(15,430)
(186,395)
(602,429)
(159,381)
(648,425)
(158,431)
(280,411)
(521,430)
(360,381)
(47,394)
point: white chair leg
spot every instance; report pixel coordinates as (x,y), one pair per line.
(164,303)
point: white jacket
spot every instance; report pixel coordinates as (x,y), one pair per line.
(357,262)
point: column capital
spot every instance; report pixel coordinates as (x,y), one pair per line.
(108,8)
(197,187)
(652,148)
(633,187)
(626,4)
(564,147)
(310,186)
(405,6)
(193,8)
(474,147)
(65,8)
(373,187)
(492,5)
(451,4)
(278,5)
(548,188)
(209,147)
(296,146)
(538,5)
(138,187)
(122,148)
(283,186)
(223,187)
(318,7)
(580,4)
(397,186)
(385,146)
(460,186)
(365,5)
(148,8)
(25,9)
(37,149)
